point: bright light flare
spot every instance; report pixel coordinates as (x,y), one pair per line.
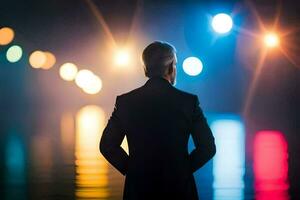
(271,40)
(68,71)
(122,57)
(192,66)
(14,53)
(222,23)
(6,35)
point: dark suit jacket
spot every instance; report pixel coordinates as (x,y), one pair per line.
(157,120)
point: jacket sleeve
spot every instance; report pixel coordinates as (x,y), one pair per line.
(203,138)
(110,143)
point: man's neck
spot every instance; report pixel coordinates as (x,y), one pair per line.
(167,78)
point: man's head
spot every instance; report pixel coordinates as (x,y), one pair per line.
(160,60)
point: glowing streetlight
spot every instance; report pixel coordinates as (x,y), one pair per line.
(122,57)
(271,40)
(68,71)
(222,23)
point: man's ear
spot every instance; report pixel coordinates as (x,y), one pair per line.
(146,71)
(170,68)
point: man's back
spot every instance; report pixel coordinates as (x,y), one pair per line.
(157,120)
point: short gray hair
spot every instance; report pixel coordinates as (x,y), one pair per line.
(157,57)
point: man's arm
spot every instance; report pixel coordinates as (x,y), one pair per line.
(203,138)
(110,144)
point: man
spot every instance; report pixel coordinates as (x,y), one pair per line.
(157,120)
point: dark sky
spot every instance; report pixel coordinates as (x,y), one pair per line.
(57,20)
(68,28)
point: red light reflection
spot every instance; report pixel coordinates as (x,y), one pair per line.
(270,165)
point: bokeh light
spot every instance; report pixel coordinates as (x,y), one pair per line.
(37,59)
(271,40)
(68,71)
(6,35)
(83,78)
(50,60)
(222,23)
(93,86)
(122,57)
(192,66)
(14,53)
(88,81)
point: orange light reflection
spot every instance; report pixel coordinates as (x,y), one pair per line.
(91,167)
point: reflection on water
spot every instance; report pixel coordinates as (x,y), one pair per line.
(67,134)
(42,158)
(15,167)
(91,168)
(57,157)
(270,166)
(15,160)
(229,161)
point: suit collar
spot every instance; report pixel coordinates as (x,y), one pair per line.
(158,80)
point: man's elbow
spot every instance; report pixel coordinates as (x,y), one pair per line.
(213,150)
(103,147)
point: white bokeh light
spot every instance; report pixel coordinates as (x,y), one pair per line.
(93,86)
(88,81)
(192,66)
(222,23)
(68,71)
(14,53)
(83,78)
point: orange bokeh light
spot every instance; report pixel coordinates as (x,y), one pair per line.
(50,60)
(6,35)
(37,59)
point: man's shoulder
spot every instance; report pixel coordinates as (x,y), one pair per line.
(129,93)
(174,92)
(185,94)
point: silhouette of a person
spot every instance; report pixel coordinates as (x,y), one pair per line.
(157,120)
